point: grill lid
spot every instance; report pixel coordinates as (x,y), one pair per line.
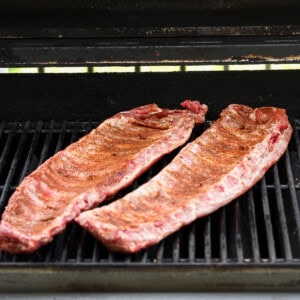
(98,18)
(139,7)
(73,32)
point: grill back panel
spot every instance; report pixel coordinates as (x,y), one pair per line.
(98,96)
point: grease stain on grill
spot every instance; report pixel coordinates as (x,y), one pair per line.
(261,227)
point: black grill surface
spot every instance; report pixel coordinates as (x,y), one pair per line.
(261,228)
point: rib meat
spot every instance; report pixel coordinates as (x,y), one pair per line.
(91,170)
(221,164)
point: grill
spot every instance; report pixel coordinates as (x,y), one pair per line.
(260,229)
(252,244)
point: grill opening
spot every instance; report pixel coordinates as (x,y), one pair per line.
(262,226)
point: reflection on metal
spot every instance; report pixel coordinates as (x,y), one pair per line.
(200,68)
(65,69)
(23,70)
(19,70)
(256,67)
(114,69)
(160,68)
(284,66)
(151,68)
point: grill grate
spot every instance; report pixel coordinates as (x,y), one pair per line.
(261,227)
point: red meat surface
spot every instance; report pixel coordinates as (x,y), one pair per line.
(217,167)
(92,169)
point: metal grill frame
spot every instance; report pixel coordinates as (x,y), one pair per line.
(176,49)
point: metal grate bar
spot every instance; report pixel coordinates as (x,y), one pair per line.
(267,221)
(61,137)
(127,259)
(12,170)
(297,141)
(44,153)
(160,252)
(110,258)
(253,227)
(223,239)
(31,151)
(80,248)
(95,255)
(238,237)
(285,243)
(143,256)
(5,154)
(192,243)
(294,201)
(10,175)
(2,128)
(207,239)
(176,247)
(7,147)
(14,162)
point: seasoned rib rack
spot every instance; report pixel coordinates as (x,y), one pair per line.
(91,170)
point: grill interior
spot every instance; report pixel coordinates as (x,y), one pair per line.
(252,244)
(262,226)
(236,248)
